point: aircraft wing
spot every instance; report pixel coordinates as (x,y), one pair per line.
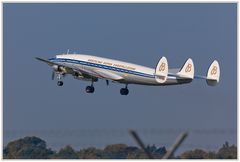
(96,73)
(104,74)
(50,63)
(46,61)
(108,75)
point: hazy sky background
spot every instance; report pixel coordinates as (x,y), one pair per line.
(139,33)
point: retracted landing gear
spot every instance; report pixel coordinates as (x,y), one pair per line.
(90,89)
(124,91)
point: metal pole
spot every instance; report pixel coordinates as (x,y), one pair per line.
(174,147)
(140,143)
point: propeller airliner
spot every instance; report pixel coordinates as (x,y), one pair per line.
(91,68)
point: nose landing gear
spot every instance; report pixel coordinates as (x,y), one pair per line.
(60,82)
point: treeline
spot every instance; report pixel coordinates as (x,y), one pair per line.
(36,148)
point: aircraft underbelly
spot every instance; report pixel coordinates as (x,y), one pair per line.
(133,79)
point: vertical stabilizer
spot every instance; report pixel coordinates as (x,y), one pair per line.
(161,71)
(213,74)
(187,70)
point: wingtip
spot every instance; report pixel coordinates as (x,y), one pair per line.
(37,58)
(40,59)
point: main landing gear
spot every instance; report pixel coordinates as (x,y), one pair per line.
(124,91)
(60,82)
(90,89)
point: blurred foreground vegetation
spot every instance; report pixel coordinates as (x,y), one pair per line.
(36,148)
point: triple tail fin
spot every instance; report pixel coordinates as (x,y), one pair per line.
(161,71)
(187,70)
(213,74)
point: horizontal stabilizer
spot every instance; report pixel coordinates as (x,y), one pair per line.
(187,70)
(213,74)
(161,71)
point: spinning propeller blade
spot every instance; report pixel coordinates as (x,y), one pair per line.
(53,75)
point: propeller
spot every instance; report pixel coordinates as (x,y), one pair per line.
(107,82)
(53,75)
(60,71)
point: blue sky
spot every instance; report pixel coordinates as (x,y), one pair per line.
(137,33)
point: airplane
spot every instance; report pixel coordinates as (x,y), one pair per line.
(91,68)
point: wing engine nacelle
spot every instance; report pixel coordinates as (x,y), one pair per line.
(79,76)
(59,69)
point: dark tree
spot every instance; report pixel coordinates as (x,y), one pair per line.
(227,152)
(212,155)
(116,151)
(137,154)
(27,148)
(90,153)
(195,154)
(35,148)
(66,153)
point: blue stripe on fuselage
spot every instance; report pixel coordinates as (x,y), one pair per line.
(101,66)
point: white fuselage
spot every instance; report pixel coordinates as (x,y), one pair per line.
(132,73)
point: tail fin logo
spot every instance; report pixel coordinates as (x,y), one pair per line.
(213,74)
(162,67)
(214,70)
(161,70)
(188,68)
